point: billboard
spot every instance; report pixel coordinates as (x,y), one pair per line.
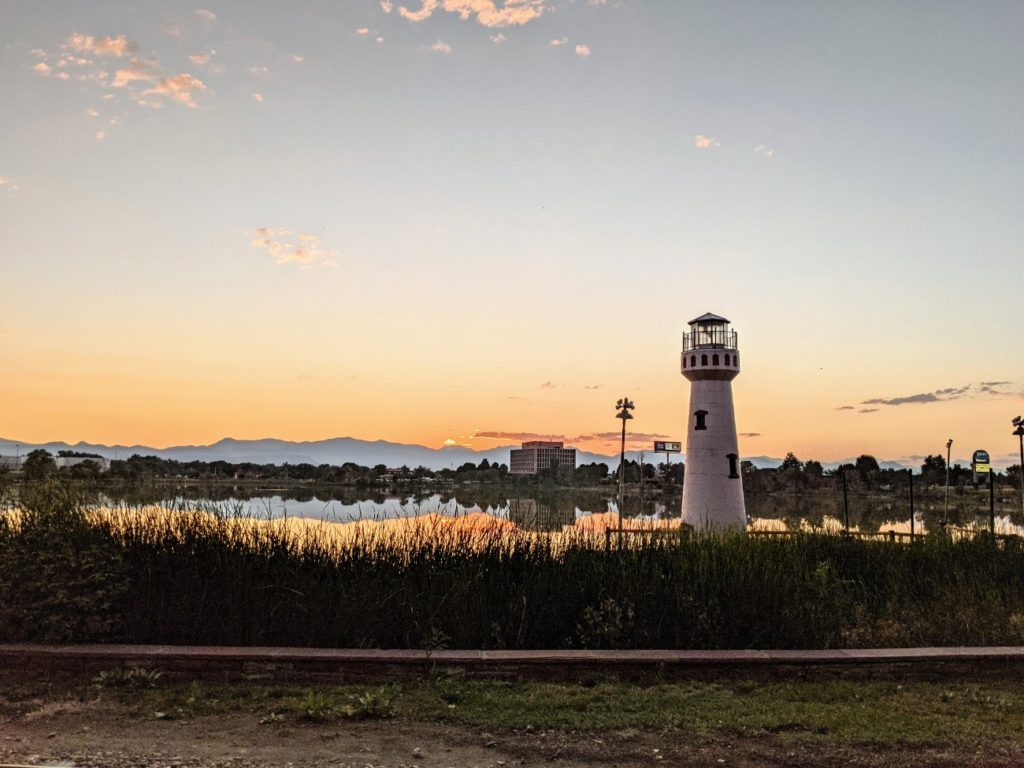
(663,447)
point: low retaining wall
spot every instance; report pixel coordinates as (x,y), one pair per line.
(254,663)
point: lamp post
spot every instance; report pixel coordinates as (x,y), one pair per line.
(945,505)
(624,406)
(1018,422)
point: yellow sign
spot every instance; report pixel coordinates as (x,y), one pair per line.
(980,463)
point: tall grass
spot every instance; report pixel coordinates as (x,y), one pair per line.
(71,572)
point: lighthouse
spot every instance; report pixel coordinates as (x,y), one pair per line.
(712,487)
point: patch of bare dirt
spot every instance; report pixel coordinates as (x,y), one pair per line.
(96,735)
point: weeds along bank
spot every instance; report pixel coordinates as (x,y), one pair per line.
(74,572)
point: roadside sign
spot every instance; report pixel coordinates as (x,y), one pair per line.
(980,462)
(980,465)
(664,447)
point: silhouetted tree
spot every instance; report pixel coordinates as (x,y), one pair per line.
(813,468)
(39,465)
(790,462)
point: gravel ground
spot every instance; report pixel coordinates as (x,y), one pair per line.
(97,735)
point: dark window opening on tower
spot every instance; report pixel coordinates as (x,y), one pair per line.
(733,458)
(727,360)
(693,360)
(714,359)
(703,359)
(684,361)
(701,415)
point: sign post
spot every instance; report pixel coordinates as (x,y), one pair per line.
(661,446)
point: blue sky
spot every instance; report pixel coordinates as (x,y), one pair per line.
(280,217)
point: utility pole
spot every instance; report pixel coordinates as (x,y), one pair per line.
(992,501)
(910,480)
(945,505)
(624,406)
(1018,422)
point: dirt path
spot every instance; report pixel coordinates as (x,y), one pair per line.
(97,734)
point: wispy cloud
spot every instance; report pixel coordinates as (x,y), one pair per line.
(387,6)
(289,247)
(750,434)
(441,47)
(8,184)
(548,385)
(425,11)
(137,70)
(845,408)
(701,141)
(938,396)
(100,46)
(367,32)
(487,13)
(258,97)
(995,388)
(761,149)
(593,386)
(633,438)
(559,41)
(498,38)
(490,14)
(868,410)
(583,51)
(205,15)
(80,57)
(180,88)
(519,436)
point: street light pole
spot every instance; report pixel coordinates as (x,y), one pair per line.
(945,506)
(1018,422)
(624,406)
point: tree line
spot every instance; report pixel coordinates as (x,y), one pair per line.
(40,464)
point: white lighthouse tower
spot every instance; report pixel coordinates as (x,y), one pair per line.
(712,487)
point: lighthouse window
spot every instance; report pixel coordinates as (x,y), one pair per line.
(693,360)
(733,458)
(700,416)
(714,359)
(684,361)
(703,359)
(727,360)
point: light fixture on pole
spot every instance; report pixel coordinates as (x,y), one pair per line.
(945,505)
(1018,422)
(624,406)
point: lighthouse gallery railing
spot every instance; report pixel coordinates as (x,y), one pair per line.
(711,338)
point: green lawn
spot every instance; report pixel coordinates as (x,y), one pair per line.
(833,709)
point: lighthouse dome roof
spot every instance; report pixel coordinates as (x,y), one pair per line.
(707,317)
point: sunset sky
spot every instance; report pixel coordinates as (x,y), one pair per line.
(473,221)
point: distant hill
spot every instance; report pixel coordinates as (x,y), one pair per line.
(339,450)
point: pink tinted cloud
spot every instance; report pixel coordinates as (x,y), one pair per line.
(287,247)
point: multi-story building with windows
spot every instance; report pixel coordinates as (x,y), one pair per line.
(539,454)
